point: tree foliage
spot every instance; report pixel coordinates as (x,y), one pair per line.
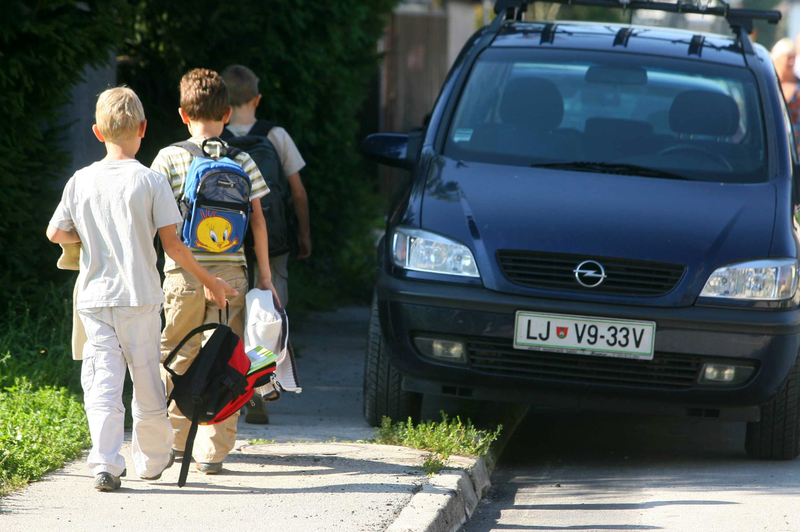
(44,48)
(314,61)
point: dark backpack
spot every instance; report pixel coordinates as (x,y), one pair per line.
(277,206)
(215,203)
(217,383)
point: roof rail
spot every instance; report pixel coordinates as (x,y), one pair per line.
(737,18)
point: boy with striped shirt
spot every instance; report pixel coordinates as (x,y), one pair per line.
(205,108)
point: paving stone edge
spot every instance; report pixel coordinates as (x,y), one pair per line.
(451,496)
(446,502)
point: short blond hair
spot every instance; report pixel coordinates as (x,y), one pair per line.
(242,84)
(783,47)
(118,114)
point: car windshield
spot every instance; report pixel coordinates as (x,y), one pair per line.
(611,112)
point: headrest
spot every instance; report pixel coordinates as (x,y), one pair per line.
(534,103)
(704,113)
(617,127)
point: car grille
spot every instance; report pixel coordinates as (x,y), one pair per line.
(551,271)
(498,356)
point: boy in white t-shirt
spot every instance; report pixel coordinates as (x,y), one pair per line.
(114,207)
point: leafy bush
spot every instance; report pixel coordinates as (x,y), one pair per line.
(314,60)
(40,429)
(44,48)
(443,439)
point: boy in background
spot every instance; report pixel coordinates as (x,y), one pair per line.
(243,87)
(114,207)
(205,108)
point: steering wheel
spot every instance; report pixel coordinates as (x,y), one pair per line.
(702,151)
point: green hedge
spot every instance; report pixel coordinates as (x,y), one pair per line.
(315,61)
(44,48)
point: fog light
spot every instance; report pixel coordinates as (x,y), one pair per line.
(725,374)
(445,350)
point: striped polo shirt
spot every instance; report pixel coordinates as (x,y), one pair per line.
(174,162)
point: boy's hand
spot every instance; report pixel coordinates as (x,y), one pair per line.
(217,292)
(266,284)
(305,247)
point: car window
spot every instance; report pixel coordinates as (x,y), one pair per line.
(531,107)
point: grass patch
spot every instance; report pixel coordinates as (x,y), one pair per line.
(261,441)
(40,429)
(42,422)
(35,336)
(443,439)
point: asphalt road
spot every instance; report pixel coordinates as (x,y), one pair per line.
(592,472)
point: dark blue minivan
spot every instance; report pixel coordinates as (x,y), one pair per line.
(599,216)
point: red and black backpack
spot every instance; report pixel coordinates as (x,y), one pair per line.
(215,385)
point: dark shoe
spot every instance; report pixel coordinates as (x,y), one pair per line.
(257,412)
(106,482)
(209,468)
(169,464)
(178,455)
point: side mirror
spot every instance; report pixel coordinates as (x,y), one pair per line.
(390,149)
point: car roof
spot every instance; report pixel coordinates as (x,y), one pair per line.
(622,38)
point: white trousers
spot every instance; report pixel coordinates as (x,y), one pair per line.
(118,337)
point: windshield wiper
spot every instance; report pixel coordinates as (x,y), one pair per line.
(613,168)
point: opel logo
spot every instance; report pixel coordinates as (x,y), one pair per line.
(589,274)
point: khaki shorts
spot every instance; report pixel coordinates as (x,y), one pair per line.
(185,309)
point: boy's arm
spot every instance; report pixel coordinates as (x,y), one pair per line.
(215,288)
(261,245)
(300,198)
(59,236)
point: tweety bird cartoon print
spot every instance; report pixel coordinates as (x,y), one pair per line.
(213,232)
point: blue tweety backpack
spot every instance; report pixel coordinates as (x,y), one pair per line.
(216,199)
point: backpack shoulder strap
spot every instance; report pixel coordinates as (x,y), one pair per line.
(232,152)
(262,128)
(198,330)
(189,447)
(198,151)
(191,147)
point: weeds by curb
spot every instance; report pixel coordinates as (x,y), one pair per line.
(442,439)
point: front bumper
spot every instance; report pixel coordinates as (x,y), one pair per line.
(686,338)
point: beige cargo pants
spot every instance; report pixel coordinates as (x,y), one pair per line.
(185,309)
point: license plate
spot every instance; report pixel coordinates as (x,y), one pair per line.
(585,336)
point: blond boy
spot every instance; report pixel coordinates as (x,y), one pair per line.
(114,207)
(205,108)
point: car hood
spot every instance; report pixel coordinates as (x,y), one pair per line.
(695,224)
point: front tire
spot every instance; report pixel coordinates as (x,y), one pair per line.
(383,392)
(777,435)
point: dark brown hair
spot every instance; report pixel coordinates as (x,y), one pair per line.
(242,84)
(204,95)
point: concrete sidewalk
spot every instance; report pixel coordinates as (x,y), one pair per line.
(305,486)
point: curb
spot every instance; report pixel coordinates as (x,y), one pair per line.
(444,504)
(451,496)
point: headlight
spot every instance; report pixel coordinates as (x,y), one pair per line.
(423,251)
(761,280)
